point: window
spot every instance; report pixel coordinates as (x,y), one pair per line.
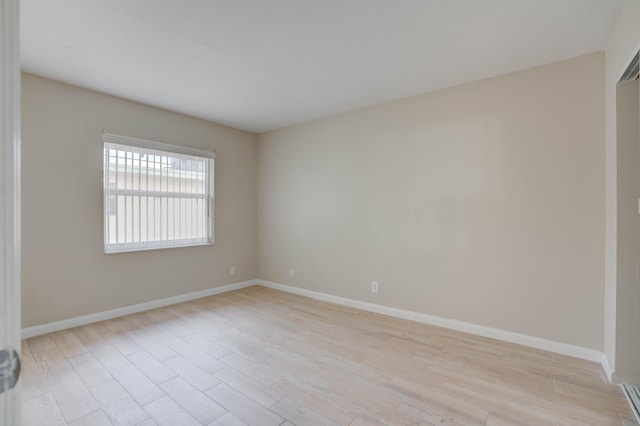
(156,195)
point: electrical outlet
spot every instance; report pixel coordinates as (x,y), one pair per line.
(232,270)
(375,287)
(291,273)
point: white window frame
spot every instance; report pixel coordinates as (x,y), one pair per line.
(109,192)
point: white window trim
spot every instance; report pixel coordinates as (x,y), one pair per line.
(173,149)
(160,146)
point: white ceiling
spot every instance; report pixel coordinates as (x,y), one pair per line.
(263,64)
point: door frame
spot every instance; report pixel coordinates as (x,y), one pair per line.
(9,196)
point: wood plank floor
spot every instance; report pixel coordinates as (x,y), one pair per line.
(261,357)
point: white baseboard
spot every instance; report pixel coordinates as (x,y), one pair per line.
(132,309)
(495,333)
(606,366)
(507,336)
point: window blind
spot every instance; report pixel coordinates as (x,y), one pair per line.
(156,195)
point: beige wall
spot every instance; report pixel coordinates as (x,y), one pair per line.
(622,45)
(64,270)
(482,203)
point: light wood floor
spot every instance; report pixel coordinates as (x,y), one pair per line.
(262,357)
